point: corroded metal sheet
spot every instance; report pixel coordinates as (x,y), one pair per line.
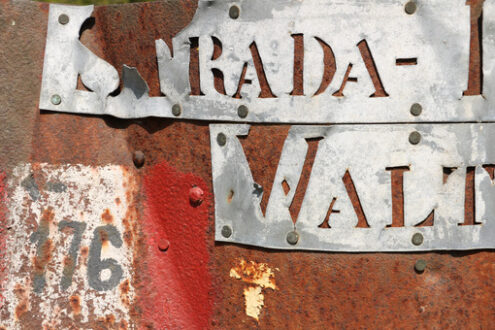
(68,246)
(284,61)
(370,188)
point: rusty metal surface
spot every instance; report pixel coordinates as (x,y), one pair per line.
(181,277)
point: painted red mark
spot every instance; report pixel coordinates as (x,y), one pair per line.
(175,290)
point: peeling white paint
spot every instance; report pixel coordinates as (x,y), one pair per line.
(88,193)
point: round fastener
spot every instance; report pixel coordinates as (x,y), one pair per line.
(138,158)
(196,196)
(416,109)
(417,239)
(292,238)
(410,7)
(414,137)
(226,231)
(221,139)
(163,245)
(420,266)
(234,12)
(56,99)
(63,19)
(242,111)
(176,110)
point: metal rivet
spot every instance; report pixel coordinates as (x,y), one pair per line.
(234,12)
(63,19)
(163,245)
(292,238)
(420,266)
(414,138)
(56,99)
(242,111)
(226,231)
(176,110)
(196,196)
(221,139)
(410,7)
(138,158)
(417,239)
(416,109)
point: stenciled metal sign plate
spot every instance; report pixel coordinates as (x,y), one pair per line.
(287,61)
(370,188)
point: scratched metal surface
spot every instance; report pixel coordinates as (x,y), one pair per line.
(180,277)
(384,91)
(358,162)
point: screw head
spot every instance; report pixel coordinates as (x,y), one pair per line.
(63,19)
(292,238)
(138,158)
(196,196)
(56,99)
(226,231)
(414,138)
(420,266)
(242,111)
(416,109)
(234,12)
(176,110)
(410,7)
(221,139)
(163,245)
(417,239)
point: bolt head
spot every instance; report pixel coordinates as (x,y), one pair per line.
(138,158)
(416,109)
(292,238)
(226,231)
(221,139)
(163,245)
(414,138)
(56,99)
(63,19)
(410,7)
(417,239)
(196,196)
(176,110)
(420,266)
(234,12)
(242,111)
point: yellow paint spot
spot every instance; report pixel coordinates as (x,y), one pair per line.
(259,276)
(254,301)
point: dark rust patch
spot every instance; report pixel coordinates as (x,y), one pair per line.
(75,304)
(107,216)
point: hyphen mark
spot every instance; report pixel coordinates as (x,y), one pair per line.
(406,61)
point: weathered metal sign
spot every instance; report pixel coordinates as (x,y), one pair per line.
(366,188)
(288,61)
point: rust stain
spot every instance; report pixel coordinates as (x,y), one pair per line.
(124,291)
(107,216)
(117,201)
(23,297)
(254,273)
(259,276)
(75,304)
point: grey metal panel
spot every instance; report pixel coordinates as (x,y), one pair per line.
(365,151)
(437,34)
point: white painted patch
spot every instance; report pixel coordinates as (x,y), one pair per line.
(89,193)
